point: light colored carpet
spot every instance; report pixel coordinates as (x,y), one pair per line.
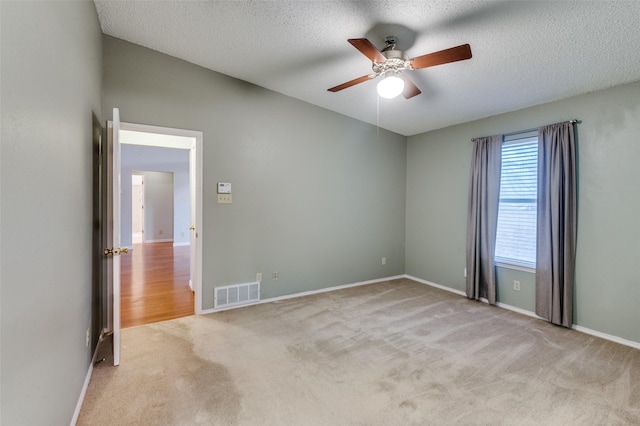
(393,353)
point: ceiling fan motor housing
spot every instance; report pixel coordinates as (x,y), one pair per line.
(396,63)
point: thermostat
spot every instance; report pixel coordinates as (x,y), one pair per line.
(224,188)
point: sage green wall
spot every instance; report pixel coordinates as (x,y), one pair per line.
(317,196)
(51,83)
(607,293)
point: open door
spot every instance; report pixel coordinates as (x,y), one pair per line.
(113,249)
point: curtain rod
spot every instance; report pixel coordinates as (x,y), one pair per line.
(574,121)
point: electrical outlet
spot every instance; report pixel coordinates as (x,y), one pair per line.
(259,277)
(383,261)
(465,272)
(225,199)
(274,276)
(516,285)
(160,232)
(86,342)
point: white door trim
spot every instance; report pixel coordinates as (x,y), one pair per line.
(195,170)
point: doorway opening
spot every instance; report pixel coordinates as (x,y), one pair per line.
(160,204)
(154,277)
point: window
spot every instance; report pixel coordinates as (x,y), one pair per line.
(516,236)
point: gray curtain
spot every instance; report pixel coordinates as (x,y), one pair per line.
(482,217)
(556,243)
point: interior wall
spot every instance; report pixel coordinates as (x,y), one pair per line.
(157,159)
(317,197)
(51,83)
(607,292)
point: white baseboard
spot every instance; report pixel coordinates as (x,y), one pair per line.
(575,327)
(304,293)
(441,287)
(87,379)
(186,243)
(168,240)
(607,336)
(516,309)
(83,392)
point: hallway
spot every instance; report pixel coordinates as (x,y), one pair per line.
(155,284)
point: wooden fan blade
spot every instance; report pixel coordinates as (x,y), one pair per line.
(367,49)
(458,53)
(410,89)
(352,82)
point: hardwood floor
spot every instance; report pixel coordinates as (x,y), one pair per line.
(154,282)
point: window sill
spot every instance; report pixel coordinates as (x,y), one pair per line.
(523,268)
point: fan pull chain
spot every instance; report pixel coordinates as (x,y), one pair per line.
(377,118)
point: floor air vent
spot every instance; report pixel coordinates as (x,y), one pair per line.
(234,295)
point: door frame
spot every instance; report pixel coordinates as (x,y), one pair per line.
(195,173)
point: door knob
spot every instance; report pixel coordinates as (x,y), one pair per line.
(192,228)
(115,252)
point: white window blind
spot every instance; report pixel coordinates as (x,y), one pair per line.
(516,236)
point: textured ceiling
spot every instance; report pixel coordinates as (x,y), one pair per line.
(524,53)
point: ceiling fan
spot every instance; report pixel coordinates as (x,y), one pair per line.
(391,63)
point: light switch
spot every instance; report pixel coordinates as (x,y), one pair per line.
(224,199)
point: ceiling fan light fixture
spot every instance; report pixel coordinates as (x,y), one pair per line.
(391,86)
